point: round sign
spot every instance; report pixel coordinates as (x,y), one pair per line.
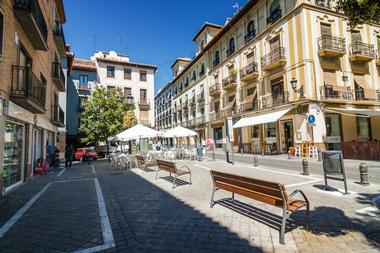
(311,119)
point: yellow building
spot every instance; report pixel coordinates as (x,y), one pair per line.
(287,72)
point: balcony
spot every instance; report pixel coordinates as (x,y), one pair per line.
(273,100)
(83,87)
(331,46)
(216,115)
(230,51)
(59,38)
(201,120)
(249,36)
(274,59)
(129,100)
(57,116)
(323,3)
(214,90)
(201,98)
(28,91)
(328,93)
(58,76)
(144,104)
(192,122)
(274,15)
(29,14)
(249,72)
(361,52)
(192,101)
(229,82)
(360,96)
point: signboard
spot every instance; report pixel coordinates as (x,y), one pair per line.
(333,167)
(311,119)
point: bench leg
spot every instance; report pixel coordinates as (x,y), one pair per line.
(307,217)
(212,197)
(233,196)
(190,179)
(175,177)
(157,173)
(283,226)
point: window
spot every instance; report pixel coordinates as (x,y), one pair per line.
(127,92)
(231,47)
(363,128)
(111,71)
(142,95)
(202,72)
(251,32)
(82,101)
(109,87)
(274,12)
(142,75)
(325,29)
(1,33)
(216,58)
(83,80)
(355,36)
(127,73)
(261,19)
(194,76)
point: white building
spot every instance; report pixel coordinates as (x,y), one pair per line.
(135,79)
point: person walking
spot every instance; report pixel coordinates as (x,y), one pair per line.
(69,152)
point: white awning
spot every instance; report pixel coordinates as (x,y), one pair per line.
(261,119)
(366,112)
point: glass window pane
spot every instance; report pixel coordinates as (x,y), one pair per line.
(363,128)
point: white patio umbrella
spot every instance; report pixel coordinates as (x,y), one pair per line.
(178,132)
(138,132)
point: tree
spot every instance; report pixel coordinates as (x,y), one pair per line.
(103,115)
(360,11)
(130,119)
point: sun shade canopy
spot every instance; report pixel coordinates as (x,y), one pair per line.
(138,132)
(178,132)
(261,119)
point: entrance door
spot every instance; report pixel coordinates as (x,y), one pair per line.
(37,146)
(274,45)
(333,131)
(218,137)
(288,135)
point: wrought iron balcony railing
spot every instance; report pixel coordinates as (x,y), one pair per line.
(249,69)
(360,96)
(59,76)
(230,51)
(26,85)
(360,48)
(330,42)
(273,100)
(57,116)
(273,57)
(229,80)
(249,36)
(327,92)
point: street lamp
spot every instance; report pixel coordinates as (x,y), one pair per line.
(293,83)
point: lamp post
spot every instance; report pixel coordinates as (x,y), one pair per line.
(293,83)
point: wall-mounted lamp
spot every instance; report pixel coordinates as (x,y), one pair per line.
(293,83)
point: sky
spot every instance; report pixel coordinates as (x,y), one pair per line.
(148,31)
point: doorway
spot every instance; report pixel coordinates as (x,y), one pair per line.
(288,136)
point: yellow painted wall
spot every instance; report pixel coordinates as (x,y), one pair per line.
(375,124)
(349,128)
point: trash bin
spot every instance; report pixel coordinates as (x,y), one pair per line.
(200,153)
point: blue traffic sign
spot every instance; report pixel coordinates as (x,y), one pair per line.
(311,119)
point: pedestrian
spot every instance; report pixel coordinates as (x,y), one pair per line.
(158,146)
(69,152)
(56,159)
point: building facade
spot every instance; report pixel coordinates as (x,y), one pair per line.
(135,79)
(288,72)
(81,82)
(32,50)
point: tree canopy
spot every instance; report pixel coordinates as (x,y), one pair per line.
(130,119)
(103,115)
(360,11)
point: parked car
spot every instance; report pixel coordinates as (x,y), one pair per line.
(83,153)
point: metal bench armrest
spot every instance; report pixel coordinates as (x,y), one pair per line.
(184,166)
(291,195)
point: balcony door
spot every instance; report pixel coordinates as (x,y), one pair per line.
(275,45)
(277,89)
(23,61)
(326,35)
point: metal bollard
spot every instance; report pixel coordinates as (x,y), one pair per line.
(255,161)
(305,167)
(289,155)
(363,174)
(319,155)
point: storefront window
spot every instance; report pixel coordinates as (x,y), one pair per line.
(13,153)
(218,137)
(270,130)
(333,131)
(363,128)
(255,132)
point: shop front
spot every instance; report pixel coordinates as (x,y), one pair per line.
(14,150)
(218,137)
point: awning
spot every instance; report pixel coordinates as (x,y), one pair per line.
(368,91)
(230,104)
(330,80)
(353,111)
(261,119)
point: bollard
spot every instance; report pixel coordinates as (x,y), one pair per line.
(319,155)
(262,152)
(305,167)
(255,161)
(363,174)
(289,155)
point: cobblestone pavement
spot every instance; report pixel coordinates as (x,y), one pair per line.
(147,215)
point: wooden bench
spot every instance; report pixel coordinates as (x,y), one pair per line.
(142,162)
(264,191)
(172,168)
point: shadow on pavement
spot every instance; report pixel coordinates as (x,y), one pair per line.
(178,182)
(155,221)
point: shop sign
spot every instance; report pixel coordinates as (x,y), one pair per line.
(333,167)
(311,119)
(333,139)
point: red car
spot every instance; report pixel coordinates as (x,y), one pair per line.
(83,153)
